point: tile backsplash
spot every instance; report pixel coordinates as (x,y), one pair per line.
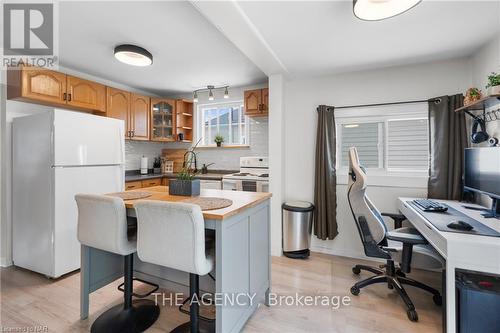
(223,158)
(134,150)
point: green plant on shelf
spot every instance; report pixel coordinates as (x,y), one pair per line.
(493,80)
(219,139)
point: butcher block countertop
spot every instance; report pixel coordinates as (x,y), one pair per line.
(241,200)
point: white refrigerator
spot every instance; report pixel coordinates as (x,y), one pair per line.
(56,155)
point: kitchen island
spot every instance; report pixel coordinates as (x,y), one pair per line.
(242,256)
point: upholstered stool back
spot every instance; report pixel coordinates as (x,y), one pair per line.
(172,235)
(102,223)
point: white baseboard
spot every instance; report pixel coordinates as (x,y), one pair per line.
(4,262)
(343,253)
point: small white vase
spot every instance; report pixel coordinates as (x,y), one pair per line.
(494,90)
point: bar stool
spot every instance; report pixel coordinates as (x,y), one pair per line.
(173,235)
(102,224)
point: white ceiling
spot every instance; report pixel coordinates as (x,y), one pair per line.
(189,52)
(314,38)
(301,38)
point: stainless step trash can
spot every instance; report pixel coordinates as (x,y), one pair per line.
(297,218)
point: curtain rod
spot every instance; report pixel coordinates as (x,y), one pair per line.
(435,100)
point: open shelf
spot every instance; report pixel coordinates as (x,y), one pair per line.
(185,120)
(481,104)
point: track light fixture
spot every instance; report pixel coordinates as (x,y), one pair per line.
(210,93)
(210,90)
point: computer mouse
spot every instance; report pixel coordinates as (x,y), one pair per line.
(460,225)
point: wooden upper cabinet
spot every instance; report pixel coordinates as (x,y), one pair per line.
(139,117)
(265,101)
(252,101)
(86,94)
(36,84)
(163,120)
(256,102)
(118,106)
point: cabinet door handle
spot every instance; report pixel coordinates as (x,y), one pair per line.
(64,96)
(132,133)
(69,97)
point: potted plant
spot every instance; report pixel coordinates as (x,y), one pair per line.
(493,85)
(185,184)
(219,139)
(472,95)
(157,165)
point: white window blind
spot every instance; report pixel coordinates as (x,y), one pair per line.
(367,138)
(408,144)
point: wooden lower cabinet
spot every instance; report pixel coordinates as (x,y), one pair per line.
(133,185)
(151,182)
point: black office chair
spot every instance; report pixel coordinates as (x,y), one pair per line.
(408,247)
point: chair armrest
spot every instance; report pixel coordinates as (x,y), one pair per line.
(406,238)
(398,219)
(409,237)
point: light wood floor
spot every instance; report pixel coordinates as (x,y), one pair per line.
(29,299)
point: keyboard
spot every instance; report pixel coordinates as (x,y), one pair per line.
(430,206)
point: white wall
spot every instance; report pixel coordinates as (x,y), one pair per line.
(414,82)
(482,63)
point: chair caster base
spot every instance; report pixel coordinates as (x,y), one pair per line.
(438,300)
(412,315)
(203,327)
(137,318)
(355,290)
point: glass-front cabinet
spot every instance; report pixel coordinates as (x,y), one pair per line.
(163,120)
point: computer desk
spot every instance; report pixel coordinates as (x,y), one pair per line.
(463,251)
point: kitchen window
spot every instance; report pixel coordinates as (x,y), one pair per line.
(226,119)
(389,141)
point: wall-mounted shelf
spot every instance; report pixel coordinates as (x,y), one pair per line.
(481,104)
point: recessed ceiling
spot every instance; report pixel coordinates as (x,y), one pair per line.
(189,52)
(316,38)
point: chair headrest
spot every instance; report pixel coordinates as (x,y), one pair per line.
(357,174)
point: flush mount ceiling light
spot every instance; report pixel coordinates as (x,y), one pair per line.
(133,55)
(375,10)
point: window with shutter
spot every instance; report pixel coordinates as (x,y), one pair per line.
(390,139)
(408,144)
(367,138)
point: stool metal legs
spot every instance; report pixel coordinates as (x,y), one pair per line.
(131,316)
(195,325)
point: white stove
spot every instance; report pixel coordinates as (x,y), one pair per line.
(253,175)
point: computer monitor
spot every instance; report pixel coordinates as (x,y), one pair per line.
(482,173)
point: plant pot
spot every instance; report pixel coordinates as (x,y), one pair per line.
(156,170)
(494,90)
(184,187)
(219,144)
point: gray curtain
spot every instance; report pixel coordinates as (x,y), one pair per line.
(325,182)
(447,141)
